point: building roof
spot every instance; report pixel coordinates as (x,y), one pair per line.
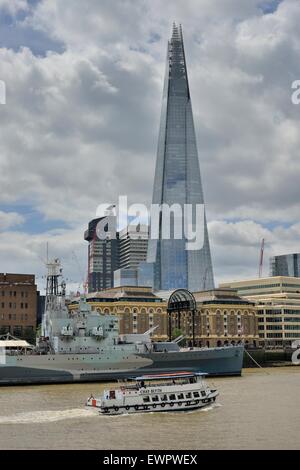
(125,293)
(269,279)
(221,295)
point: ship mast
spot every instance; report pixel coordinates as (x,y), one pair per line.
(55,295)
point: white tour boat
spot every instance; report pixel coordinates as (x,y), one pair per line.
(180,391)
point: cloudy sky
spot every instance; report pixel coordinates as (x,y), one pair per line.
(80,124)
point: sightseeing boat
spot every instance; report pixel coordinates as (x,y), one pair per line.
(179,391)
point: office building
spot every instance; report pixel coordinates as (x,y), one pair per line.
(177,181)
(277,301)
(103,255)
(285,265)
(133,244)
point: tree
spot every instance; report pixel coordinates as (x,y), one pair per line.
(176,332)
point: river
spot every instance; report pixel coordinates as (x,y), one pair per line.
(260,410)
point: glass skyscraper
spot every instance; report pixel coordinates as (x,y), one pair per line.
(285,265)
(177,181)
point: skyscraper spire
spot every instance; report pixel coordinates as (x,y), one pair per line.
(177,180)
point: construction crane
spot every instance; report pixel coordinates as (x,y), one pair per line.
(261,258)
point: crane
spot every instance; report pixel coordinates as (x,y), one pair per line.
(261,258)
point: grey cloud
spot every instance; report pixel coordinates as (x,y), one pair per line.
(81,125)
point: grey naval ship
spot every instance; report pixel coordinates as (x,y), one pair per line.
(85,346)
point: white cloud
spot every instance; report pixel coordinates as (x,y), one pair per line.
(236,247)
(9,219)
(13,6)
(20,252)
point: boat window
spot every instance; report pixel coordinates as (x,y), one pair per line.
(203,393)
(180,396)
(146,399)
(172,396)
(188,395)
(112,394)
(155,398)
(196,394)
(164,398)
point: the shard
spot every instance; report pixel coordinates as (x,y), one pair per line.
(178,181)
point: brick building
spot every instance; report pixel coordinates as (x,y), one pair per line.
(18,305)
(221,317)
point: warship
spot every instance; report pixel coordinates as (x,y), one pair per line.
(85,346)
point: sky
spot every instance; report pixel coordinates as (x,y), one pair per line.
(80,125)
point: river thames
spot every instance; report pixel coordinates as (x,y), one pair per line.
(260,410)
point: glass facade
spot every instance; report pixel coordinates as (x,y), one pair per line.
(285,265)
(103,256)
(125,277)
(177,181)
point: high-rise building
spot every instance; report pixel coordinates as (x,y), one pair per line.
(285,265)
(103,256)
(177,181)
(133,245)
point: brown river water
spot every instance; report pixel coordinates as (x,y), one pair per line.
(260,410)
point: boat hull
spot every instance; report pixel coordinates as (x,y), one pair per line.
(177,406)
(65,368)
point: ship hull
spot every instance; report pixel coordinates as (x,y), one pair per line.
(64,368)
